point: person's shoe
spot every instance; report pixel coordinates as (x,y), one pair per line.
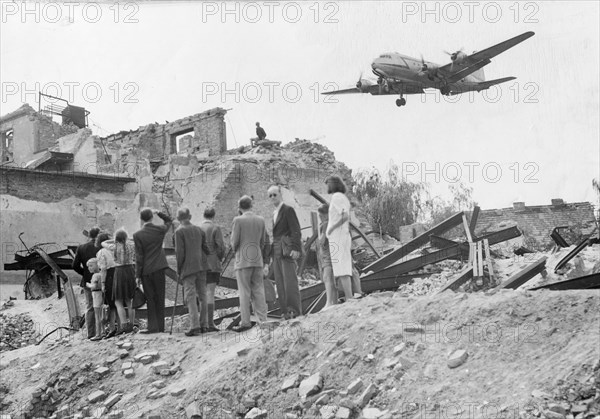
(194,332)
(212,329)
(242,328)
(204,329)
(148,331)
(128,328)
(110,334)
(95,338)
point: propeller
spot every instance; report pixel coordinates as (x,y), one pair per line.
(456,55)
(359,82)
(423,65)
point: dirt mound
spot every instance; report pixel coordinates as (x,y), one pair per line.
(527,354)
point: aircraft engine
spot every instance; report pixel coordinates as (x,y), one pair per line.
(363,85)
(458,57)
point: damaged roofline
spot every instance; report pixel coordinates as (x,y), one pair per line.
(114,177)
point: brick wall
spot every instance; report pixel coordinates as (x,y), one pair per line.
(537,222)
(53,187)
(155,141)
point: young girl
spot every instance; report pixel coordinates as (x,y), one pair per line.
(95,285)
(124,278)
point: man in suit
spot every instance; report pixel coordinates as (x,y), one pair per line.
(84,253)
(287,246)
(191,250)
(216,246)
(150,265)
(250,242)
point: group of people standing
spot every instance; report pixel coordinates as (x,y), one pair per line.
(116,267)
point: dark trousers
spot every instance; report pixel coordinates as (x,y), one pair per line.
(288,290)
(154,288)
(90,316)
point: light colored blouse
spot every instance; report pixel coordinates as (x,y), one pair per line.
(123,254)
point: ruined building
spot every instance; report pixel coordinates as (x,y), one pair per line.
(57,179)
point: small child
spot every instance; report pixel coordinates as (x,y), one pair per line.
(95,286)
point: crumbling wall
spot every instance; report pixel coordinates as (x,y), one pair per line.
(537,222)
(32,133)
(56,208)
(156,141)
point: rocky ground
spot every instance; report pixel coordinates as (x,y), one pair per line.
(412,353)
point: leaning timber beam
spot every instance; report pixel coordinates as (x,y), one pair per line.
(493,238)
(586,282)
(414,244)
(75,317)
(322,200)
(463,276)
(582,245)
(473,222)
(416,263)
(524,275)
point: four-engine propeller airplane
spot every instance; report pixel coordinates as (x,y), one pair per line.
(402,75)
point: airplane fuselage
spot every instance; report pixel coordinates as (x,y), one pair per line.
(399,68)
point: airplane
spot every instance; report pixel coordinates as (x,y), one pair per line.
(402,75)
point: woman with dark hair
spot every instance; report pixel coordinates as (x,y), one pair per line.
(106,263)
(124,278)
(338,234)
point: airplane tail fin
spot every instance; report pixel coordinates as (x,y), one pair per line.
(479,75)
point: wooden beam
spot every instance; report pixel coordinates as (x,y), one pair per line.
(309,243)
(488,258)
(72,303)
(414,244)
(474,218)
(416,263)
(467,229)
(582,283)
(391,282)
(524,275)
(322,200)
(463,276)
(479,259)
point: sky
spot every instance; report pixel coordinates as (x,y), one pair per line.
(133,63)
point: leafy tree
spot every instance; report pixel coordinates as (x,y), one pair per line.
(440,209)
(389,200)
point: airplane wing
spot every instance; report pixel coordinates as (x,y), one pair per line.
(344,91)
(394,88)
(455,71)
(480,86)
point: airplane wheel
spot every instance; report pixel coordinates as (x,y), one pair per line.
(398,102)
(402,102)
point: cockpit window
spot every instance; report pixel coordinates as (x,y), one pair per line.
(385,56)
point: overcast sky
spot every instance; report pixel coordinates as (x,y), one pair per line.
(131,64)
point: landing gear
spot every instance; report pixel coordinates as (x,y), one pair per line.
(445,90)
(400,102)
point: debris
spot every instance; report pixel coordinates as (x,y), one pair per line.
(457,358)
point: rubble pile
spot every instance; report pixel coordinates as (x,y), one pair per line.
(386,356)
(316,151)
(16,331)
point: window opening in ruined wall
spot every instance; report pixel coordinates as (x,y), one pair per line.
(7,145)
(182,140)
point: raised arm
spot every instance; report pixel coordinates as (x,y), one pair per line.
(166,219)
